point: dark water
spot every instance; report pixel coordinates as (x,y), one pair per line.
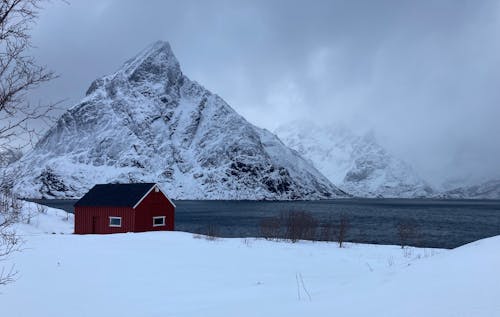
(439,223)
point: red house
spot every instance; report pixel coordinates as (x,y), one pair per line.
(114,208)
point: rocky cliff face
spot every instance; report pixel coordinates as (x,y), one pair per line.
(149,122)
(9,156)
(356,163)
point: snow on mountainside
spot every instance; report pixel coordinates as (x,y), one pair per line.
(9,156)
(357,164)
(149,122)
(486,190)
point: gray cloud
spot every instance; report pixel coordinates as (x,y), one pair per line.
(424,75)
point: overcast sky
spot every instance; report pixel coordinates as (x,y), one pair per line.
(424,75)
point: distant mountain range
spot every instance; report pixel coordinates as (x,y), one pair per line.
(148,122)
(356,163)
(486,190)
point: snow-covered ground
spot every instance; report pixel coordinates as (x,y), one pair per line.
(181,274)
(43,220)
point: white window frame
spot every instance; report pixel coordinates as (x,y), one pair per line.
(159,217)
(116,226)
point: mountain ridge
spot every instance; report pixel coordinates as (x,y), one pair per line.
(489,189)
(356,163)
(149,122)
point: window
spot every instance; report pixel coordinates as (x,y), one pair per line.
(115,221)
(158,221)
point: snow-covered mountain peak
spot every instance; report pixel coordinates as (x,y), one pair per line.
(159,50)
(156,63)
(155,70)
(147,122)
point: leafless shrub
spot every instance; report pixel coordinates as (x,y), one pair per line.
(10,242)
(342,229)
(212,232)
(407,232)
(270,228)
(327,231)
(300,225)
(41,209)
(407,252)
(291,225)
(247,242)
(28,215)
(15,207)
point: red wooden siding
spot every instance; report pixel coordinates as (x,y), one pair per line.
(96,219)
(84,218)
(153,205)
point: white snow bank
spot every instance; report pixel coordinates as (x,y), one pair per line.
(462,282)
(44,219)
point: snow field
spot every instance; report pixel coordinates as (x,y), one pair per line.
(181,274)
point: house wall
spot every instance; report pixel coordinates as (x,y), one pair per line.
(84,217)
(154,204)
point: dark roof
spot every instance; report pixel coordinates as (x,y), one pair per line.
(114,195)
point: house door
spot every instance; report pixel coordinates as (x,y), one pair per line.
(94,224)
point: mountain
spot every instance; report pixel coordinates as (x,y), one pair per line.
(148,122)
(486,190)
(356,163)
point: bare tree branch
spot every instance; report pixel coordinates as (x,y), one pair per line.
(19,75)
